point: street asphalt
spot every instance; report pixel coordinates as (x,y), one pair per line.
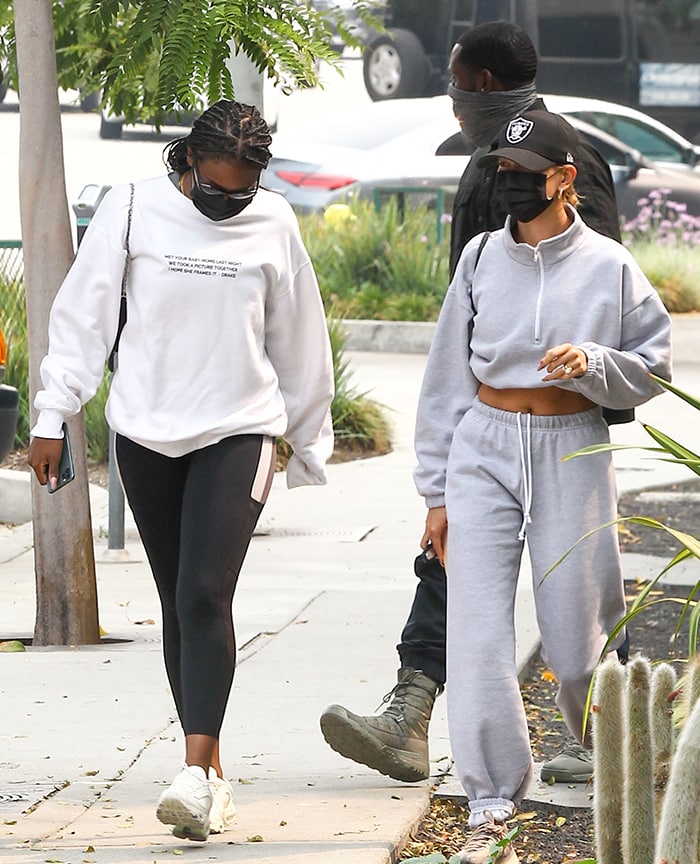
(88,736)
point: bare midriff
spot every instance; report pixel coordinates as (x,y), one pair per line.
(542,400)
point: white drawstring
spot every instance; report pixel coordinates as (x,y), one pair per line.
(526,464)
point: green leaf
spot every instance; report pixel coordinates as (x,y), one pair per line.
(11,645)
(673,447)
(607,448)
(692,544)
(691,400)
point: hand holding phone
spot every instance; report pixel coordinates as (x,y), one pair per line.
(66,469)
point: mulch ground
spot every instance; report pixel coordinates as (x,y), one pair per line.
(548,836)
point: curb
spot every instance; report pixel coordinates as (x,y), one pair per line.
(414,337)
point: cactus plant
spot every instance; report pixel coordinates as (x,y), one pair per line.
(679,830)
(632,715)
(638,802)
(608,730)
(662,731)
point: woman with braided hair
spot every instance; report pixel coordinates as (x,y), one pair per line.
(224,347)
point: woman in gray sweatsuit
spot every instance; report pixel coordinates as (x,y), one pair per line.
(555,321)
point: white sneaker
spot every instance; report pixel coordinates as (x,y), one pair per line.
(223,810)
(480,846)
(186,804)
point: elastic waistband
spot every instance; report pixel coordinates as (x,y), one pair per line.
(540,422)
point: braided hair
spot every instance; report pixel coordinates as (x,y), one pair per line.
(226,129)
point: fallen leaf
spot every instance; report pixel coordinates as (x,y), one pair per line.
(178,852)
(89,849)
(12,645)
(283,822)
(548,675)
(255,838)
(146,621)
(560,820)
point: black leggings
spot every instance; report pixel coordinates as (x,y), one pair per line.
(196,515)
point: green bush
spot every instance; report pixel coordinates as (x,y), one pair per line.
(379,264)
(13,322)
(385,265)
(665,242)
(673,270)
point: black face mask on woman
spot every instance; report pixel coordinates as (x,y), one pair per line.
(218,205)
(523,194)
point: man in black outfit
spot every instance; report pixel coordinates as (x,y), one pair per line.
(492,68)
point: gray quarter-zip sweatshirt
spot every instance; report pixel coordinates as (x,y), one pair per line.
(496,324)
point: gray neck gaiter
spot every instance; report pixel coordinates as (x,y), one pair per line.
(483,115)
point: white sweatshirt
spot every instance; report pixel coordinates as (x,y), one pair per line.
(225,334)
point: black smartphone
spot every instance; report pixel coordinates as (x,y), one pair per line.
(66,469)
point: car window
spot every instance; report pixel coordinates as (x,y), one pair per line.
(591,30)
(612,155)
(651,143)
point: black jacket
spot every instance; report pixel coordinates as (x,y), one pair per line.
(476,209)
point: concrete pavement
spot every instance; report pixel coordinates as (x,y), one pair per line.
(88,737)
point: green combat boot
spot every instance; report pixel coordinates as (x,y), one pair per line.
(395,742)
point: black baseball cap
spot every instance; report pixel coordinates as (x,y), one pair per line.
(536,140)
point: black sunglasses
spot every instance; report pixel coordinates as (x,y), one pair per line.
(239,195)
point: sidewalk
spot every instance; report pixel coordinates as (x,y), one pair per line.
(323,596)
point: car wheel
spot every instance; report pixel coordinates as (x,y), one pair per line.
(395,66)
(110,130)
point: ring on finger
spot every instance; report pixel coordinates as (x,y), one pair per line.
(567,369)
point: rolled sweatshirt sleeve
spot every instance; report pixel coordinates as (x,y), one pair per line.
(298,345)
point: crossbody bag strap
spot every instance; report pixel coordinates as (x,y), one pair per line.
(112,361)
(484,240)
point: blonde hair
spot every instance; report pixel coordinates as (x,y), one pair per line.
(570,196)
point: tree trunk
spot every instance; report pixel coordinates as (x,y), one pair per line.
(66,592)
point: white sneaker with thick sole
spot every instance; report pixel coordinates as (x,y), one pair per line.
(186,804)
(223,811)
(480,846)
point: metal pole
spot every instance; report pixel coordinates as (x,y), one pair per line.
(115,525)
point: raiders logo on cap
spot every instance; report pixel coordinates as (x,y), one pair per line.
(518,130)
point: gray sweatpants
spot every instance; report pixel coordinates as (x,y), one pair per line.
(505,477)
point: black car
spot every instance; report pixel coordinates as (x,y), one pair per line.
(634,52)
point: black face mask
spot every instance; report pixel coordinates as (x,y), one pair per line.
(523,194)
(218,205)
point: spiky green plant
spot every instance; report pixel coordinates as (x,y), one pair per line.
(667,450)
